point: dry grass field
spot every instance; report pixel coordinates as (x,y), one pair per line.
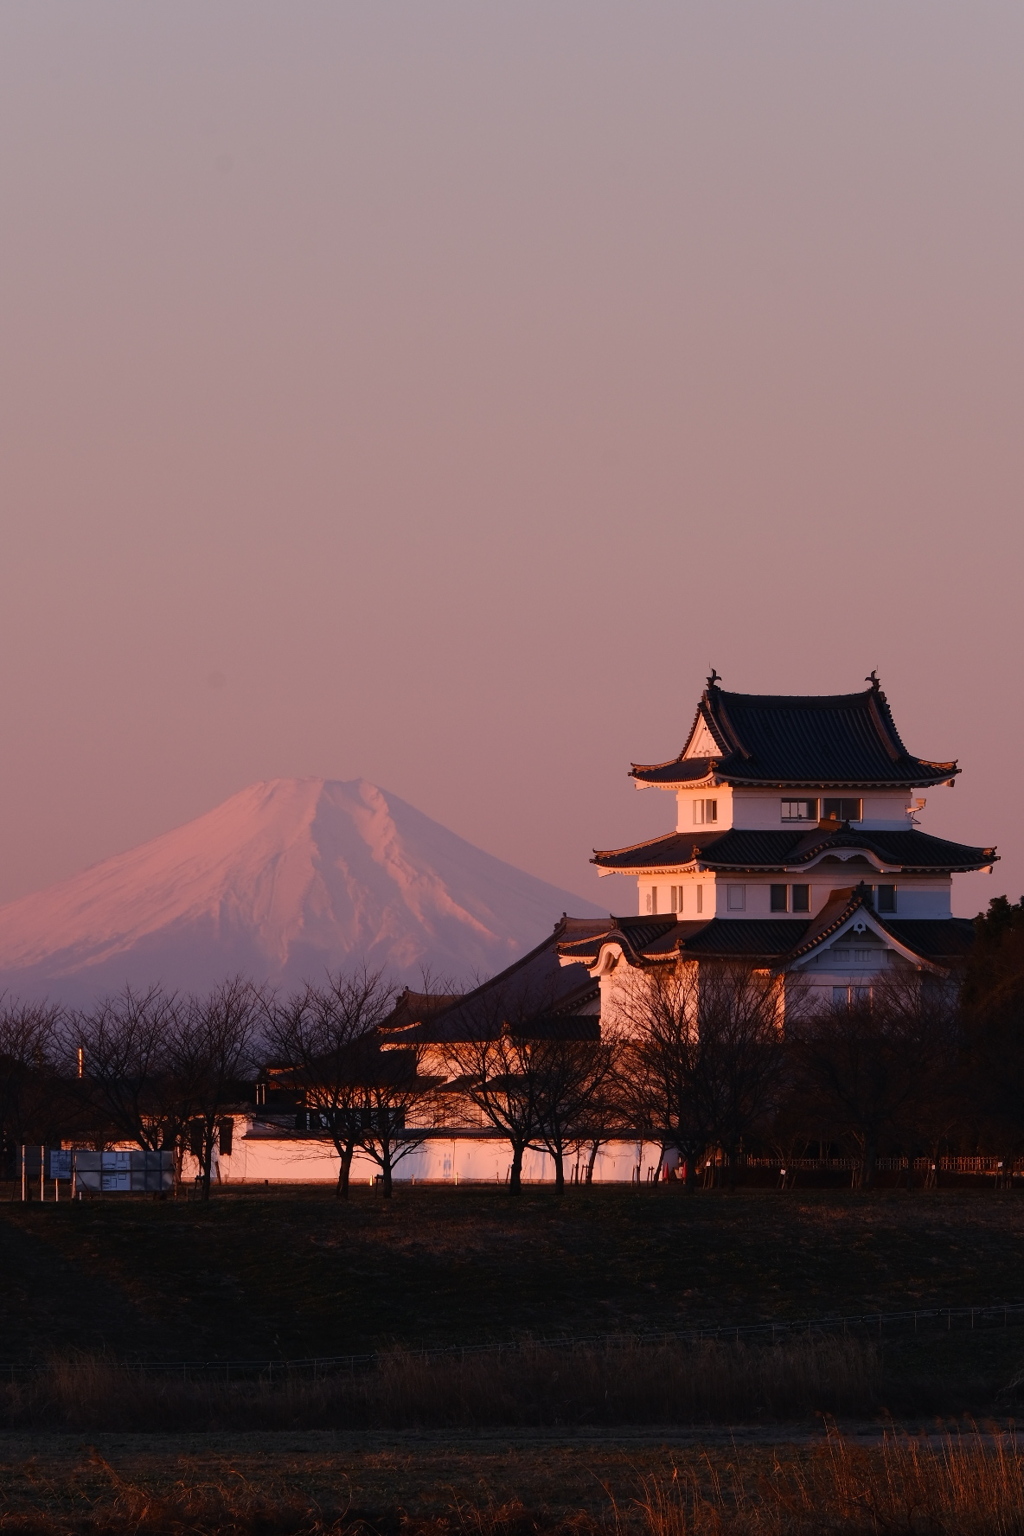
(531,1443)
(962,1483)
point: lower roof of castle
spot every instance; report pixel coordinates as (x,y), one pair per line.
(748,850)
(653,941)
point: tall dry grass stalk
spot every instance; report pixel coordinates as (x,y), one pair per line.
(966,1483)
(673,1383)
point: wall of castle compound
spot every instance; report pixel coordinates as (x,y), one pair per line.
(440,1160)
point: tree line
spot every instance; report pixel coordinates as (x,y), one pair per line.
(720,1063)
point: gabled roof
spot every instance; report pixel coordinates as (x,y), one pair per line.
(560,1026)
(773,941)
(742,849)
(798,741)
(936,941)
(534,987)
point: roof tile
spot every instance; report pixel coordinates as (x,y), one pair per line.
(802,740)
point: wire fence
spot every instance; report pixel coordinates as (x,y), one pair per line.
(860,1324)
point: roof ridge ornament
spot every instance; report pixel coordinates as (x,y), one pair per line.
(713,678)
(874,680)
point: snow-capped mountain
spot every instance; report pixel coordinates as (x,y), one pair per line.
(281,881)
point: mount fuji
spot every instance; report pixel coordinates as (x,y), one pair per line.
(284,880)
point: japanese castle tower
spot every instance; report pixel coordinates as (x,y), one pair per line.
(795,847)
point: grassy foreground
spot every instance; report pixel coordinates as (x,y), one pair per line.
(529,1443)
(960,1484)
(296,1273)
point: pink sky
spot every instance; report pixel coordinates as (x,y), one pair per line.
(433,392)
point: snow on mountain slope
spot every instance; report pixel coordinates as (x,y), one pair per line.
(281,881)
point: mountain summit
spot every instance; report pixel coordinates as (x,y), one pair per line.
(282,881)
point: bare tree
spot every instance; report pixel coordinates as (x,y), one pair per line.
(326,1039)
(492,1073)
(660,1063)
(486,1050)
(209,1053)
(703,1058)
(125,1075)
(569,1080)
(873,1062)
(32,1103)
(394,1092)
(741,1056)
(532,1073)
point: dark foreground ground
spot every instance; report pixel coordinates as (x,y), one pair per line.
(817,1484)
(295,1273)
(298,1273)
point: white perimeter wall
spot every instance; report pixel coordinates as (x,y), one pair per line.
(264,1159)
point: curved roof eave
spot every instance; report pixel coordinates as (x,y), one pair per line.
(676,851)
(942,773)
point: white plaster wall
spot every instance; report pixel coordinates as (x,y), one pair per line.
(922,897)
(919,896)
(887,809)
(259,1160)
(623,988)
(684,808)
(883,809)
(927,896)
(664,880)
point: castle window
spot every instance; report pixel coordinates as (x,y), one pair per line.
(885,896)
(700,898)
(850,997)
(704,811)
(676,894)
(736,898)
(780,898)
(799,810)
(801,898)
(842,810)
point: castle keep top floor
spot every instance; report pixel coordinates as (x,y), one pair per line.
(769,761)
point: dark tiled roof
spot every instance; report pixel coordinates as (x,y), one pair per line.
(561,1026)
(415,1007)
(801,741)
(639,934)
(681,770)
(714,936)
(759,937)
(740,848)
(940,940)
(947,938)
(536,985)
